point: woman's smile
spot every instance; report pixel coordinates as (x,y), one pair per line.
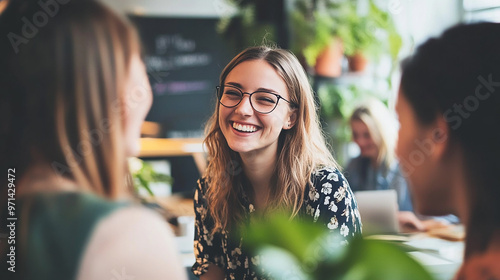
(244,128)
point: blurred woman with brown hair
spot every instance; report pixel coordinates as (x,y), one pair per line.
(74,93)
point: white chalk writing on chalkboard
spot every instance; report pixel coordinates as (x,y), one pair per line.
(166,43)
(180,87)
(167,63)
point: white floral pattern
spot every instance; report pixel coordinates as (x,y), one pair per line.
(339,194)
(327,188)
(313,194)
(334,223)
(327,200)
(333,207)
(344,230)
(333,176)
(337,212)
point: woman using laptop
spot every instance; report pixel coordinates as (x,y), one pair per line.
(449,111)
(266,153)
(374,130)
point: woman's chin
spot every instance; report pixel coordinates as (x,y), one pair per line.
(239,149)
(133,149)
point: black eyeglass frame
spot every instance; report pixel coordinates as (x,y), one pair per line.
(219,90)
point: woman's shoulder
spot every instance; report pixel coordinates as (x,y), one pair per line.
(78,211)
(201,187)
(134,219)
(71,199)
(332,202)
(110,246)
(91,231)
(330,175)
(326,181)
(480,267)
(203,182)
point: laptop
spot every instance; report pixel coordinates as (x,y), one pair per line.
(379,211)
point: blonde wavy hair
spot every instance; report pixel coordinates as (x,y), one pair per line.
(382,127)
(302,149)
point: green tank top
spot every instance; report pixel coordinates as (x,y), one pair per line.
(59,226)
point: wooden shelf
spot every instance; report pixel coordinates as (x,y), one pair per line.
(164,147)
(173,147)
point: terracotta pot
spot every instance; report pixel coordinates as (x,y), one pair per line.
(357,62)
(329,61)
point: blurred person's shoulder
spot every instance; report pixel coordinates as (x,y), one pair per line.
(98,237)
(481,267)
(133,240)
(59,224)
(68,211)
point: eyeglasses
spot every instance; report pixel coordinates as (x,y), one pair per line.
(261,101)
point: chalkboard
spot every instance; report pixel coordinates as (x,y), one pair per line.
(184,58)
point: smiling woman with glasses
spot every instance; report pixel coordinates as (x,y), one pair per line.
(266,153)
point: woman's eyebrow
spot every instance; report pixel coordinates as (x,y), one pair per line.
(235,85)
(266,89)
(241,87)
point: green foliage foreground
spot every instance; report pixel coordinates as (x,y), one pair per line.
(301,250)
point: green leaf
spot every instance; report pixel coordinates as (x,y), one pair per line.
(145,175)
(277,230)
(314,253)
(379,260)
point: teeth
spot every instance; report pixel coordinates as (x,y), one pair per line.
(244,128)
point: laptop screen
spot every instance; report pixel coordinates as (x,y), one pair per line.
(379,211)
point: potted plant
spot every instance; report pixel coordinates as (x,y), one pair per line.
(330,29)
(316,36)
(371,34)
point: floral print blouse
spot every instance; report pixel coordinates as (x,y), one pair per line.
(330,202)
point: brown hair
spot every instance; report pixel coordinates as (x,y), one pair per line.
(63,90)
(302,149)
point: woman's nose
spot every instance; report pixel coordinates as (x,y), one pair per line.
(361,143)
(245,106)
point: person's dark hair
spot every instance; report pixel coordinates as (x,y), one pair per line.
(457,76)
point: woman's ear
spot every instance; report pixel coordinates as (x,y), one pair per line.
(292,119)
(440,137)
